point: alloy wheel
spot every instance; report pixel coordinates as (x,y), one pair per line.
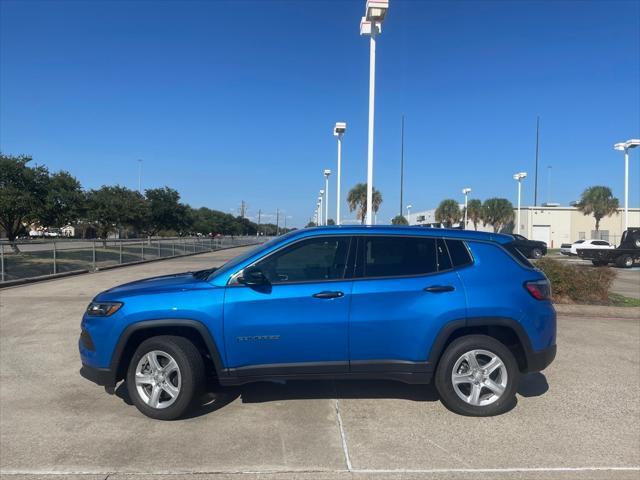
(479,377)
(158,379)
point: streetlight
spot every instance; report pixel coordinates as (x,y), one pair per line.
(409,213)
(321,198)
(624,147)
(338,131)
(465,191)
(518,177)
(326,173)
(319,212)
(371,24)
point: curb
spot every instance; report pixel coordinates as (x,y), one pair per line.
(598,311)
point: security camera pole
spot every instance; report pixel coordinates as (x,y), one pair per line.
(371,24)
(518,177)
(326,196)
(466,192)
(624,147)
(338,131)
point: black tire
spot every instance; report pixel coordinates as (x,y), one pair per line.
(191,369)
(624,261)
(536,253)
(444,383)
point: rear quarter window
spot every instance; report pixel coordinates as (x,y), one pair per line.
(515,253)
(459,253)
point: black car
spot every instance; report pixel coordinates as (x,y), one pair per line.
(530,248)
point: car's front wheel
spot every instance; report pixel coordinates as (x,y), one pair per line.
(536,253)
(165,376)
(477,376)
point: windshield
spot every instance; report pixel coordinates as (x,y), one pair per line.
(579,241)
(249,253)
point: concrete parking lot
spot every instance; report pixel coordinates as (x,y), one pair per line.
(578,419)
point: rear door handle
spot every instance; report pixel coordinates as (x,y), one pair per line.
(328,295)
(439,288)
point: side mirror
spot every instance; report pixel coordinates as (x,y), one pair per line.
(253,276)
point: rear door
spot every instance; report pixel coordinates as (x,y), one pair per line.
(404,291)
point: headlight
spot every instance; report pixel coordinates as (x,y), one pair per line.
(103,309)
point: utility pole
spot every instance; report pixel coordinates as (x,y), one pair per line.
(140,175)
(535,179)
(277,222)
(243,208)
(259,218)
(401,163)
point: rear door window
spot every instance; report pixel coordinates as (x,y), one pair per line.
(395,256)
(459,252)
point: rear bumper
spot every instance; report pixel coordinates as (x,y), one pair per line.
(538,361)
(100,376)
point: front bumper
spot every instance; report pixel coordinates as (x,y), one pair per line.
(100,376)
(538,361)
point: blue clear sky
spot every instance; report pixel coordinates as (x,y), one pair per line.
(231,101)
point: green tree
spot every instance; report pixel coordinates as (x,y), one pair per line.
(474,212)
(65,201)
(116,208)
(357,200)
(165,211)
(599,202)
(399,220)
(310,224)
(497,212)
(448,212)
(331,221)
(23,190)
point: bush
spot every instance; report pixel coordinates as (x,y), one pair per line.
(577,283)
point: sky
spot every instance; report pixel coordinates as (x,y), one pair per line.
(230,101)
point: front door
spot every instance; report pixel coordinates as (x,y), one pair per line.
(299,322)
(404,291)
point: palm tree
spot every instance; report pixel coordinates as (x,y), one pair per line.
(399,220)
(448,212)
(599,201)
(497,212)
(474,212)
(357,200)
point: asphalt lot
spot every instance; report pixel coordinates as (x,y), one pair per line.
(579,419)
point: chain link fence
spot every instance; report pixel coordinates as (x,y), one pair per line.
(45,258)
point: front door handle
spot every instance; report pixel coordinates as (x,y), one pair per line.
(328,295)
(439,288)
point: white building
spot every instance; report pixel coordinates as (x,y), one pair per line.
(552,224)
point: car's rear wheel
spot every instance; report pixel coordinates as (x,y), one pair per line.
(536,253)
(477,376)
(165,376)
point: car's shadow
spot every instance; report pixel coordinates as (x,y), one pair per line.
(217,397)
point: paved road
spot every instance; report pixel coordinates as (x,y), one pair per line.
(580,419)
(627,281)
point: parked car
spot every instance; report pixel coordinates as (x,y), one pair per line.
(571,249)
(530,248)
(463,308)
(625,255)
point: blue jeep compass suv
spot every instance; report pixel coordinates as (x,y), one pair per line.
(464,308)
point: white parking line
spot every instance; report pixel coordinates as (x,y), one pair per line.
(355,470)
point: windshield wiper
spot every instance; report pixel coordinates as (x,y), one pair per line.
(204,274)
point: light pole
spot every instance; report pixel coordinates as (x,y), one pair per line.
(409,213)
(338,131)
(466,191)
(624,147)
(326,197)
(371,24)
(321,198)
(518,177)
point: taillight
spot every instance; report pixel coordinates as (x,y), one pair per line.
(539,289)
